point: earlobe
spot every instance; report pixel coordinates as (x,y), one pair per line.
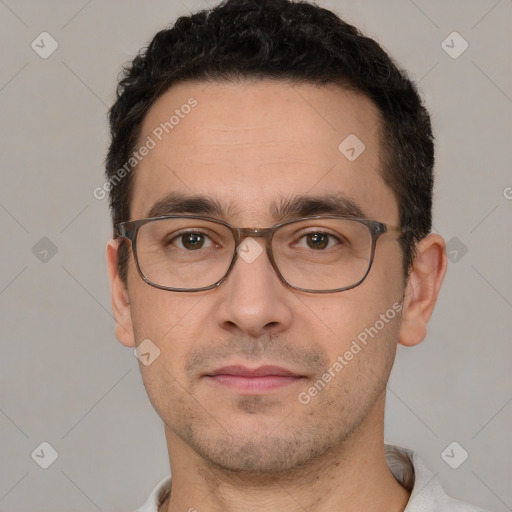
(425,279)
(120,299)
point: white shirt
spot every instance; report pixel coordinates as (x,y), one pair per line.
(427,495)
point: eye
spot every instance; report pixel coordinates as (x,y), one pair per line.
(318,241)
(192,241)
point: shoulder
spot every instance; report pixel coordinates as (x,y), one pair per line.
(458,506)
(427,494)
(157,496)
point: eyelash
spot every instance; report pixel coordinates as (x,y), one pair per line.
(297,238)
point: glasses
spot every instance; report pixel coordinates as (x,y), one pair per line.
(320,254)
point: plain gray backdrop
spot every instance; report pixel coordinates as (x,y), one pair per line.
(66,381)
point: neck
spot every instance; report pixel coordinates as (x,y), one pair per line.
(351,477)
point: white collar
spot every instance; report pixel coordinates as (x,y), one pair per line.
(427,495)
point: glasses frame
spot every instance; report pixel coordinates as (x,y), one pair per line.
(129,230)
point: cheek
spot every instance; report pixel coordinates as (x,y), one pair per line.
(175,322)
(170,321)
(158,314)
(167,391)
(343,317)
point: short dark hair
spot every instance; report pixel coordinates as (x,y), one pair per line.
(283,40)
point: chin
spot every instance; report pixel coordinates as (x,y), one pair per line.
(256,453)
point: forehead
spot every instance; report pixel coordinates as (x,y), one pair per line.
(249,145)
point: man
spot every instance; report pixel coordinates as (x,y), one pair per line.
(270,176)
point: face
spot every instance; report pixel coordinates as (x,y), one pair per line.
(249,147)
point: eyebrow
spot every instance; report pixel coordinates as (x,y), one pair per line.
(284,209)
(305,206)
(176,202)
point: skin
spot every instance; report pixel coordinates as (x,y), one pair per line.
(248,145)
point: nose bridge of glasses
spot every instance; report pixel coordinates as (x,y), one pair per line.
(243,233)
(248,252)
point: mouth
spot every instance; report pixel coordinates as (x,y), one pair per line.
(255,381)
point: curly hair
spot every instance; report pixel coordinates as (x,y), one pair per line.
(296,42)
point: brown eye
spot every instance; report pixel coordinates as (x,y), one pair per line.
(191,241)
(317,240)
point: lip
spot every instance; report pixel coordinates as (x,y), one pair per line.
(253,381)
(261,371)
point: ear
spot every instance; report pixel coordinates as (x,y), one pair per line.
(425,279)
(120,299)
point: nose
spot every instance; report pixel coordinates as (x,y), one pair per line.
(252,299)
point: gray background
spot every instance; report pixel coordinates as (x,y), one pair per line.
(64,377)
